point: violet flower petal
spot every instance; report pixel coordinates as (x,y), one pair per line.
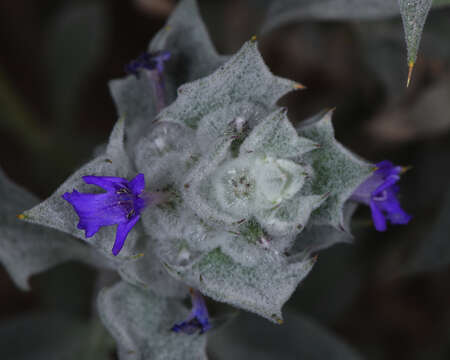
(137,185)
(379,192)
(388,182)
(395,214)
(121,204)
(105,182)
(198,318)
(379,220)
(122,232)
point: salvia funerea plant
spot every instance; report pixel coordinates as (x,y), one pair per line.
(205,190)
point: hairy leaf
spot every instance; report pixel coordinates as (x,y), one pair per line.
(338,172)
(319,237)
(244,77)
(262,288)
(414,13)
(28,249)
(140,322)
(147,272)
(57,213)
(275,136)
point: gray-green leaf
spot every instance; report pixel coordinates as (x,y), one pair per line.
(414,13)
(27,249)
(338,171)
(276,136)
(148,272)
(262,288)
(140,322)
(135,101)
(319,237)
(245,77)
(57,213)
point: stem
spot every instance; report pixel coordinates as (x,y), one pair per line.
(18,120)
(155,197)
(157,81)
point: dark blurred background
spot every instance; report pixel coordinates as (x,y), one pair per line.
(388,294)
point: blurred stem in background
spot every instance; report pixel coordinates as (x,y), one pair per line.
(18,120)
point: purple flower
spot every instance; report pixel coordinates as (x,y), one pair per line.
(379,192)
(198,318)
(148,61)
(154,63)
(121,204)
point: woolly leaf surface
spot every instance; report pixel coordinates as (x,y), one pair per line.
(140,322)
(262,288)
(276,136)
(414,14)
(337,171)
(57,213)
(244,76)
(28,249)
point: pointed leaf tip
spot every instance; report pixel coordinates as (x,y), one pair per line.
(410,70)
(406,168)
(299,86)
(414,14)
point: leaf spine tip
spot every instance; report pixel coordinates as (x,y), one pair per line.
(298,86)
(410,70)
(405,169)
